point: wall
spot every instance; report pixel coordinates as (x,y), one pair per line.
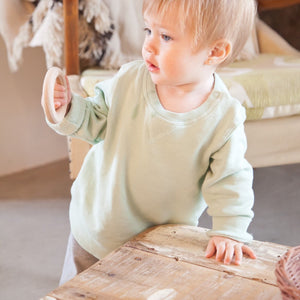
(25,139)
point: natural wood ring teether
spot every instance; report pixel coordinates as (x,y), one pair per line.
(53,75)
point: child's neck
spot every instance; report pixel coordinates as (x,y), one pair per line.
(184,98)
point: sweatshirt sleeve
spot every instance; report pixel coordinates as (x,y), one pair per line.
(227,189)
(86,119)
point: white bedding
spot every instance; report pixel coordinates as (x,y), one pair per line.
(273,142)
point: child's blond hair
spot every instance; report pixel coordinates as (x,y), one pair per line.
(210,20)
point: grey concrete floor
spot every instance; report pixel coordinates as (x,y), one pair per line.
(34,223)
(34,229)
(277,205)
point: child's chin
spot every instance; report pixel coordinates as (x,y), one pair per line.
(155,78)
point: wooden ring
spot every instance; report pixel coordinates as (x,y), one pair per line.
(53,75)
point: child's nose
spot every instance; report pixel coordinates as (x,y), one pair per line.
(150,45)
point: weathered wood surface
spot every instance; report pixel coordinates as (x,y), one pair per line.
(167,262)
(188,243)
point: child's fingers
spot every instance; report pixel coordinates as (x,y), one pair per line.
(226,249)
(211,249)
(59,95)
(57,105)
(247,250)
(221,251)
(59,87)
(59,90)
(230,250)
(238,253)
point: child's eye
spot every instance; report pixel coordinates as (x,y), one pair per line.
(165,37)
(147,31)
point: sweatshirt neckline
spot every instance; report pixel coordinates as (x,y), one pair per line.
(202,111)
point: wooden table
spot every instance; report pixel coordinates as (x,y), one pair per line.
(168,262)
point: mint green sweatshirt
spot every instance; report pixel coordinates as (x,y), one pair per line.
(150,166)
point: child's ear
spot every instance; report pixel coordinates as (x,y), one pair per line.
(220,50)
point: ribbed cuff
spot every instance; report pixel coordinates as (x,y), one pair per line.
(74,118)
(232,227)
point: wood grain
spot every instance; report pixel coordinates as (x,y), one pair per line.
(167,262)
(135,274)
(188,243)
(71,35)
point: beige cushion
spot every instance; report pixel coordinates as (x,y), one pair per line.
(268,85)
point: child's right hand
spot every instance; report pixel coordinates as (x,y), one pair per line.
(56,96)
(62,94)
(226,249)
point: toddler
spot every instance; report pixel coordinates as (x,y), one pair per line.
(168,138)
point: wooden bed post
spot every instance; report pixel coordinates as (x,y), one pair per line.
(77,148)
(71,21)
(274,4)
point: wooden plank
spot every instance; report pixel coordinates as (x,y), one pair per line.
(188,244)
(130,273)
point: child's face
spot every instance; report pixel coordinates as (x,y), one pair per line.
(169,54)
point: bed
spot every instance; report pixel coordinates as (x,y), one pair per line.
(272,129)
(265,78)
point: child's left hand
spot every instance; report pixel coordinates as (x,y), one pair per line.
(226,249)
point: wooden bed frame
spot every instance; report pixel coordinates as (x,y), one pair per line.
(262,152)
(72,32)
(273,4)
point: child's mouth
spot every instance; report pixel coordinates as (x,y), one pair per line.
(151,67)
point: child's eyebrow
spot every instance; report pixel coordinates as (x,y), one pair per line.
(162,27)
(156,23)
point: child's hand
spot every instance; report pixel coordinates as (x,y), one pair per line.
(226,249)
(56,95)
(62,94)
